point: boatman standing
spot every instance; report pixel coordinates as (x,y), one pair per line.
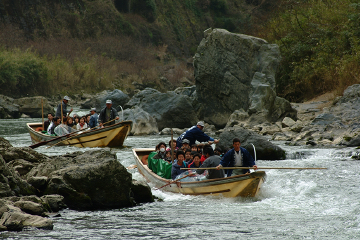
(195,133)
(64,106)
(94,118)
(237,157)
(107,114)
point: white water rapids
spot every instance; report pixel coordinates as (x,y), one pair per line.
(293,204)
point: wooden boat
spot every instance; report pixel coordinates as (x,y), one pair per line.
(110,136)
(246,185)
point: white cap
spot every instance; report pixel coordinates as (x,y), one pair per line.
(66,98)
(93,109)
(201,123)
(185,141)
(108,101)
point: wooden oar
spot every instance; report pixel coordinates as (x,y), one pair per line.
(132,167)
(214,168)
(177,180)
(73,134)
(42,114)
(46,142)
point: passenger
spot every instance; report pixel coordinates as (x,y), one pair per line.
(82,124)
(76,119)
(211,161)
(193,154)
(179,163)
(48,122)
(56,122)
(200,147)
(194,148)
(218,151)
(70,122)
(94,118)
(63,129)
(203,157)
(64,106)
(237,157)
(195,133)
(185,144)
(173,144)
(188,158)
(162,151)
(196,161)
(107,114)
(168,156)
(88,116)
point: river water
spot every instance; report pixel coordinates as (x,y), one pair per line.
(293,204)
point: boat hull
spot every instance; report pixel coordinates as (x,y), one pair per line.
(246,185)
(110,136)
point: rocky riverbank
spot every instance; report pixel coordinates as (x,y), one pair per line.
(33,186)
(234,91)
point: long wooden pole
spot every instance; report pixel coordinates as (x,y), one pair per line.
(42,113)
(176,180)
(73,134)
(172,148)
(62,116)
(214,168)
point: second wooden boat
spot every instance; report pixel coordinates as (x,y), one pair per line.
(110,136)
(246,185)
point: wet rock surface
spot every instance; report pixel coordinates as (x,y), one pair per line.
(32,185)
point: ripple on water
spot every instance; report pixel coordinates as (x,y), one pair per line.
(292,204)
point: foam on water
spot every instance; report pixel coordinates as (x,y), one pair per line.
(292,204)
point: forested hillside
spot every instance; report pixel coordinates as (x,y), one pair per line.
(72,46)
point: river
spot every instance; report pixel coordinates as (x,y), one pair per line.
(293,204)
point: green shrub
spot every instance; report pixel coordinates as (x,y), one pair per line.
(22,72)
(319,42)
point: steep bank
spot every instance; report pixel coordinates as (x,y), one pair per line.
(88,46)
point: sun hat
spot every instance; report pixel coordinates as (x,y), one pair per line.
(93,109)
(108,101)
(66,98)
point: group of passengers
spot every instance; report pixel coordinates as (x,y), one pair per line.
(62,123)
(187,154)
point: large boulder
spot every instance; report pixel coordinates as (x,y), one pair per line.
(143,122)
(90,180)
(32,106)
(169,109)
(236,71)
(8,109)
(117,96)
(11,183)
(265,150)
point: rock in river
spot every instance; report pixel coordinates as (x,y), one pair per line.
(265,150)
(117,96)
(169,109)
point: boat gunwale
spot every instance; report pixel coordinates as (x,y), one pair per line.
(203,183)
(83,134)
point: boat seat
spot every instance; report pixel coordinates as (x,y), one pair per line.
(144,159)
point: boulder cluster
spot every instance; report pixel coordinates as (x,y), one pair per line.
(33,185)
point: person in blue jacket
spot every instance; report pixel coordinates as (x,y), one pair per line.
(193,134)
(237,157)
(178,163)
(94,118)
